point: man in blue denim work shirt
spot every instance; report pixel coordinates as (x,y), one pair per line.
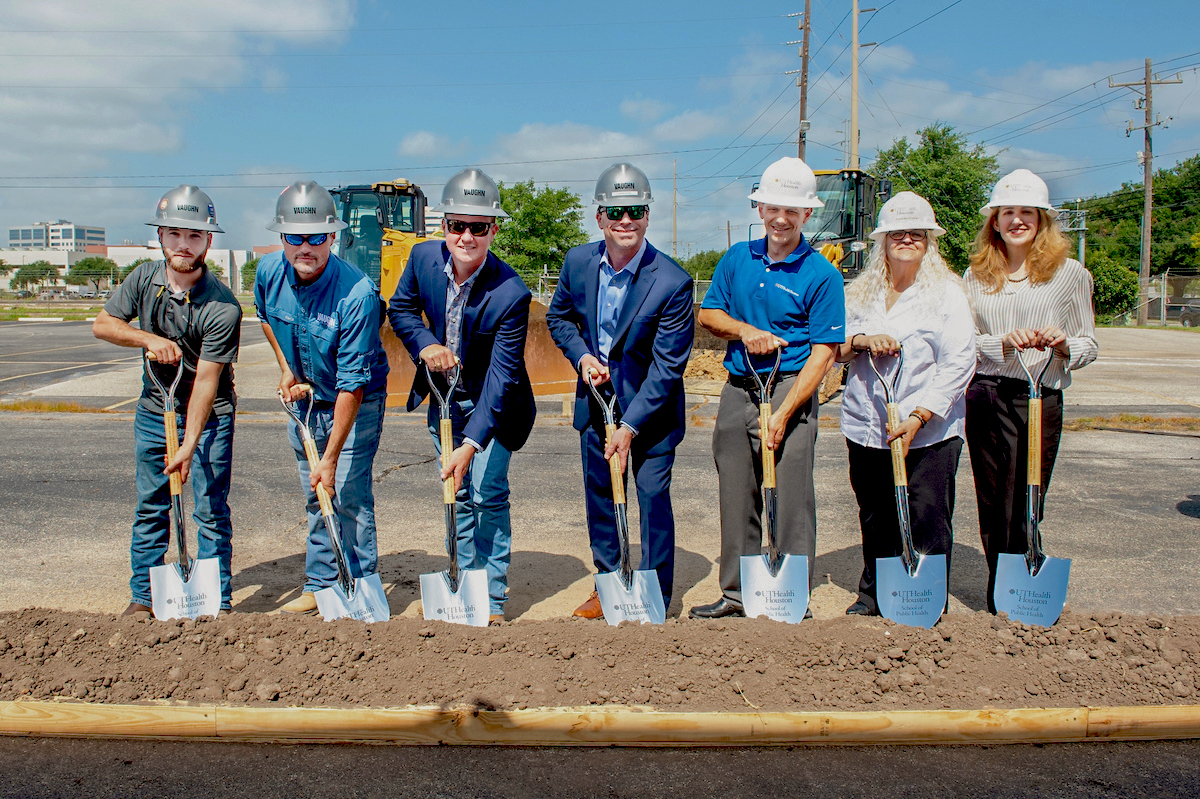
(322,318)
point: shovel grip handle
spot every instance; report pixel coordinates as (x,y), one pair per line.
(325,501)
(171,428)
(614,467)
(899,470)
(310,452)
(446,433)
(1034,469)
(768,454)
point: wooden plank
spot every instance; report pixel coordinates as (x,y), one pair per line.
(1148,723)
(81,719)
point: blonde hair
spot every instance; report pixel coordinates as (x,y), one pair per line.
(933,275)
(989,256)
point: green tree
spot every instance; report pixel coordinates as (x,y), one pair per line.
(544,224)
(90,271)
(128,270)
(217,270)
(249,270)
(7,268)
(1115,289)
(35,275)
(703,264)
(954,176)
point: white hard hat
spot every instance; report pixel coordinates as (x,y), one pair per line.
(788,183)
(305,208)
(623,185)
(1020,188)
(907,211)
(471,193)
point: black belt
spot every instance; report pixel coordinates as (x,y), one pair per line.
(1014,386)
(748,383)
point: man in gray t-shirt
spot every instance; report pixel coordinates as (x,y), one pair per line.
(188,319)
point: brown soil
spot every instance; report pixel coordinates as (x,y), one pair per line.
(849,663)
(706,365)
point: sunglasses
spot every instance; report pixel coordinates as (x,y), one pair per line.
(616,213)
(898,235)
(458,227)
(315,239)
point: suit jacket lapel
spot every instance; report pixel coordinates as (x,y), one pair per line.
(437,301)
(643,281)
(591,287)
(477,300)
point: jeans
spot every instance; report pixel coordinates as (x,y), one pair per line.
(484,531)
(210,491)
(353,498)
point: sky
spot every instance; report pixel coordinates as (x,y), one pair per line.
(105,106)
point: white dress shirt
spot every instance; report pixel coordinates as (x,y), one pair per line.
(938,340)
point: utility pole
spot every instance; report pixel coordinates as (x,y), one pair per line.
(802,81)
(674,212)
(854,45)
(1145,87)
(728,235)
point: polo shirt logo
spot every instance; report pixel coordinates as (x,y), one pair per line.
(325,319)
(785,288)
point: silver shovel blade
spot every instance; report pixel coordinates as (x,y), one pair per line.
(1031,599)
(172,596)
(366,603)
(782,596)
(466,603)
(641,601)
(915,599)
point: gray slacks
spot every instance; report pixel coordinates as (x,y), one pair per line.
(737,452)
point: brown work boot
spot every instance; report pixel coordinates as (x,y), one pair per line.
(495,620)
(305,603)
(590,609)
(135,607)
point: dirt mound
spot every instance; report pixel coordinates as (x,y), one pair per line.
(848,663)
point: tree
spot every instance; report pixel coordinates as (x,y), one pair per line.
(90,271)
(215,268)
(128,270)
(35,274)
(544,224)
(955,177)
(249,270)
(703,264)
(1115,289)
(6,268)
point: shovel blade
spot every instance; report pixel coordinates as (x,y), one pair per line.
(642,601)
(782,597)
(368,604)
(1031,599)
(173,598)
(468,605)
(913,599)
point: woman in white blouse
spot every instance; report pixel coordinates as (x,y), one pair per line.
(908,298)
(1027,295)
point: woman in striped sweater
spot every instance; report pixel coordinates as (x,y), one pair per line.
(1026,295)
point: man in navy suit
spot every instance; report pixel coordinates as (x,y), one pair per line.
(623,311)
(478,312)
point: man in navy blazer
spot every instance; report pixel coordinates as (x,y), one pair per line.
(623,310)
(478,312)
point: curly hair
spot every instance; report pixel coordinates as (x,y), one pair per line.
(989,256)
(933,275)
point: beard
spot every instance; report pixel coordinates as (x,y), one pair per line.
(185,264)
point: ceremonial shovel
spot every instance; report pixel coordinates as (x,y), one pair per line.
(356,598)
(459,596)
(625,594)
(909,589)
(1032,588)
(190,587)
(774,585)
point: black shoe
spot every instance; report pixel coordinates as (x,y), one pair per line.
(718,610)
(807,613)
(860,608)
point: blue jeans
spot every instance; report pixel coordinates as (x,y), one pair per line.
(210,490)
(481,507)
(353,499)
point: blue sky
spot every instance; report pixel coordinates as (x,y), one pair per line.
(103,106)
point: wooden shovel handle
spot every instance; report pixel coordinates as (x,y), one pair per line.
(172,431)
(310,451)
(899,471)
(768,454)
(446,431)
(1034,470)
(614,467)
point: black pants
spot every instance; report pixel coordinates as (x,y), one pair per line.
(931,473)
(998,439)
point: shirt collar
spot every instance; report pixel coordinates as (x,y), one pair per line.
(448,269)
(630,267)
(323,280)
(758,248)
(196,292)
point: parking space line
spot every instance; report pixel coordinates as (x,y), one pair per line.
(53,349)
(68,368)
(121,404)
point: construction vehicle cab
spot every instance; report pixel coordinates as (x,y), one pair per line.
(386,219)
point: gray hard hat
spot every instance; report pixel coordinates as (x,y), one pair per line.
(623,184)
(187,208)
(305,207)
(471,193)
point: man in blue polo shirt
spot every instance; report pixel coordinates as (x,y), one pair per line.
(322,317)
(770,293)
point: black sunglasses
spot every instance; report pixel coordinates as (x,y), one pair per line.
(616,213)
(458,227)
(315,239)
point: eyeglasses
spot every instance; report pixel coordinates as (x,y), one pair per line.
(458,227)
(315,239)
(616,213)
(898,235)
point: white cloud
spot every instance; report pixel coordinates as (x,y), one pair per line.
(424,145)
(690,126)
(643,109)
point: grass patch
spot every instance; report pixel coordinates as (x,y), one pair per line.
(41,406)
(1131,421)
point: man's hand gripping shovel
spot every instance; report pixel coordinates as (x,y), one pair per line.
(1032,588)
(189,587)
(626,594)
(359,598)
(909,589)
(459,596)
(774,584)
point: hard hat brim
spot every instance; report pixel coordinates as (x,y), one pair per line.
(878,233)
(784,201)
(1050,210)
(186,224)
(471,210)
(624,202)
(307,228)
